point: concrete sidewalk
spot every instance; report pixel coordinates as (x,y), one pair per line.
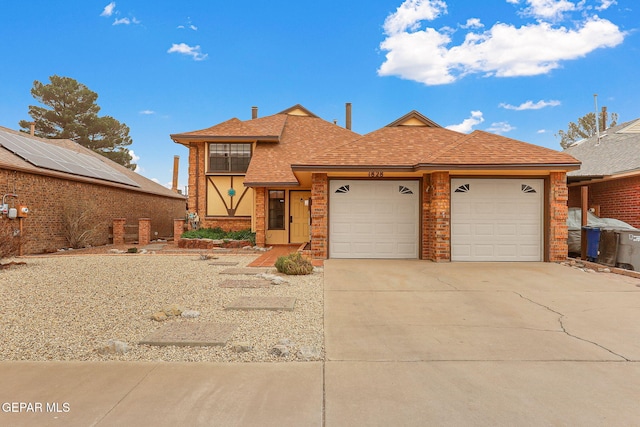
(160,394)
(407,343)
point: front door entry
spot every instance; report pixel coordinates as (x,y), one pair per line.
(299,219)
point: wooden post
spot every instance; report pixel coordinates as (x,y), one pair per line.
(584,203)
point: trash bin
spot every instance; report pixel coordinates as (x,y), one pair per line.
(629,250)
(593,241)
(608,247)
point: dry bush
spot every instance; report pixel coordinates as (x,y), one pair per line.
(80,225)
(9,238)
(294,263)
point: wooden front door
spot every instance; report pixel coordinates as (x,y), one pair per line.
(299,216)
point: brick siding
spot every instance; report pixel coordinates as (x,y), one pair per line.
(436,217)
(617,198)
(48,197)
(319,215)
(558,211)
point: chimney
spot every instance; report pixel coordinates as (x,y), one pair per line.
(604,118)
(32,128)
(254,113)
(174,185)
(348,122)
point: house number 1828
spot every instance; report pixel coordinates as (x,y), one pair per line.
(376,174)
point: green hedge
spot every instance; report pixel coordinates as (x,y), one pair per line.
(219,234)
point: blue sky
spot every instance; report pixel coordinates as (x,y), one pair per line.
(520,68)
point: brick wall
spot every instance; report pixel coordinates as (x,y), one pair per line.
(261,215)
(227,224)
(47,199)
(436,217)
(558,211)
(319,215)
(617,198)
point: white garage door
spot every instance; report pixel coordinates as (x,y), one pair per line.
(374,219)
(496,219)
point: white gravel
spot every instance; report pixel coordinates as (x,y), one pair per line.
(66,307)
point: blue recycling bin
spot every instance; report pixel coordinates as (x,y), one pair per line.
(593,242)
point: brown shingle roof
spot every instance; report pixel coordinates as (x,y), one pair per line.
(265,128)
(414,147)
(302,138)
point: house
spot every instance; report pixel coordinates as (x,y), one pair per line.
(58,180)
(411,189)
(611,172)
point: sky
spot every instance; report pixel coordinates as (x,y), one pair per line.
(523,69)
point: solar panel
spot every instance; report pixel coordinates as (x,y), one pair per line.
(61,159)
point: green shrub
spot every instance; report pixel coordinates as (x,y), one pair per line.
(294,264)
(218,234)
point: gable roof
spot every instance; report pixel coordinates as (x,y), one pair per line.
(11,161)
(262,129)
(617,152)
(407,145)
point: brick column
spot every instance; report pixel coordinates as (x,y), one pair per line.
(178,228)
(436,222)
(144,231)
(118,231)
(319,215)
(558,212)
(260,219)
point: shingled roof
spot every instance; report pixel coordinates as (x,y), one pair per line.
(617,152)
(11,161)
(414,142)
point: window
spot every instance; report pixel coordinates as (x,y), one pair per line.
(229,157)
(276,209)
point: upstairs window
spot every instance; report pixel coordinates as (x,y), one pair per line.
(229,157)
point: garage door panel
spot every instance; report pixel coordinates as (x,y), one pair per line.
(383,216)
(496,219)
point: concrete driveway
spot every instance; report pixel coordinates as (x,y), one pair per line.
(418,343)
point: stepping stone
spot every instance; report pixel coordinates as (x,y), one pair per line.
(255,283)
(191,334)
(243,270)
(262,303)
(227,263)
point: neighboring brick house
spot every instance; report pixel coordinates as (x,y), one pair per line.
(611,171)
(102,187)
(409,190)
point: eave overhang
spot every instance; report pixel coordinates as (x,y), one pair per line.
(437,167)
(186,139)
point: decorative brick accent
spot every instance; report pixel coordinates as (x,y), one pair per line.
(261,215)
(319,215)
(617,198)
(144,231)
(118,231)
(436,217)
(558,212)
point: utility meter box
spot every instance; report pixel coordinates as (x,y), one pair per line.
(22,211)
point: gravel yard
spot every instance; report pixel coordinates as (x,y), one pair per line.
(66,307)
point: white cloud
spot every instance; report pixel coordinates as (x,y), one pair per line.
(135,159)
(411,12)
(549,9)
(504,50)
(530,105)
(473,23)
(108,9)
(500,128)
(606,4)
(185,49)
(189,26)
(467,124)
(147,112)
(541,131)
